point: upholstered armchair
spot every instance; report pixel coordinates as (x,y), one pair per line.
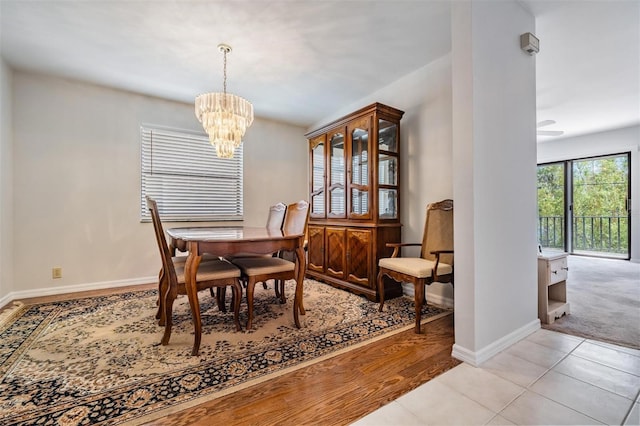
(435,263)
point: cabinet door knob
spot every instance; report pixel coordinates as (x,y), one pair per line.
(554,272)
(565,268)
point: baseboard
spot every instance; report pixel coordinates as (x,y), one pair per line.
(51,291)
(477,358)
(436,299)
(6,300)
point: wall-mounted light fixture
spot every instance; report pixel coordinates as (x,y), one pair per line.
(529,43)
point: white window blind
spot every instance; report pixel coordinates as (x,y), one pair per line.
(181,171)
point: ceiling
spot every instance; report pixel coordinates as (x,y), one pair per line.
(295,61)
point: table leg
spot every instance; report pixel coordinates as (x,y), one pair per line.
(298,307)
(302,262)
(191,270)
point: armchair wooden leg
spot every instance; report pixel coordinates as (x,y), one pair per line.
(381,289)
(419,300)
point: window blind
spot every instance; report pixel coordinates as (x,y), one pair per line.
(181,171)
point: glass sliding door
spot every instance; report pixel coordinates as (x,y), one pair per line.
(583,206)
(552,206)
(600,206)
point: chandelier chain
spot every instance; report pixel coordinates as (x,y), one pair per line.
(224,84)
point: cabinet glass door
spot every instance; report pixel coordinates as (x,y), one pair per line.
(317,177)
(359,172)
(387,170)
(388,166)
(387,136)
(337,175)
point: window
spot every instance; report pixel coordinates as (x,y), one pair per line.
(583,205)
(181,171)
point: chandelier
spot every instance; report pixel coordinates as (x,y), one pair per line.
(225,117)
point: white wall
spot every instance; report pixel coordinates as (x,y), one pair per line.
(425,139)
(6,183)
(77,181)
(494,184)
(603,143)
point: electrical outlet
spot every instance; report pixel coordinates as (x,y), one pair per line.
(56,272)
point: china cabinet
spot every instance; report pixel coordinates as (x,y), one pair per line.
(354,191)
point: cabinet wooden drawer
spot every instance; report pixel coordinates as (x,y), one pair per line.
(557,270)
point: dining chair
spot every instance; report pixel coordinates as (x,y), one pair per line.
(435,263)
(295,222)
(275,219)
(213,273)
(261,269)
(181,260)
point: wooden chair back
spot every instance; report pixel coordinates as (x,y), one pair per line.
(165,253)
(438,231)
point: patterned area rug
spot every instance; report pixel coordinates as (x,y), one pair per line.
(98,360)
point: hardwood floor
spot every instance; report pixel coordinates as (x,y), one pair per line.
(337,391)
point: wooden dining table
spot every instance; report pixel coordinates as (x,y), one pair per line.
(227,241)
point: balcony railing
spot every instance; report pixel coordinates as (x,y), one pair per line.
(606,234)
(551,231)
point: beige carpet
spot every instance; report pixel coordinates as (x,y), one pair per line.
(97,360)
(604,299)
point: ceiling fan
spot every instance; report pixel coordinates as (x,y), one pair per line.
(544,123)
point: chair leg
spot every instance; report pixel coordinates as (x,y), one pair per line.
(250,287)
(221,296)
(160,301)
(419,300)
(168,313)
(276,289)
(381,289)
(163,294)
(236,290)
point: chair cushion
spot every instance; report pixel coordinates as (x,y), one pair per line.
(263,265)
(414,266)
(211,270)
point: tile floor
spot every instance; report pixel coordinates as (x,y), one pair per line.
(549,378)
